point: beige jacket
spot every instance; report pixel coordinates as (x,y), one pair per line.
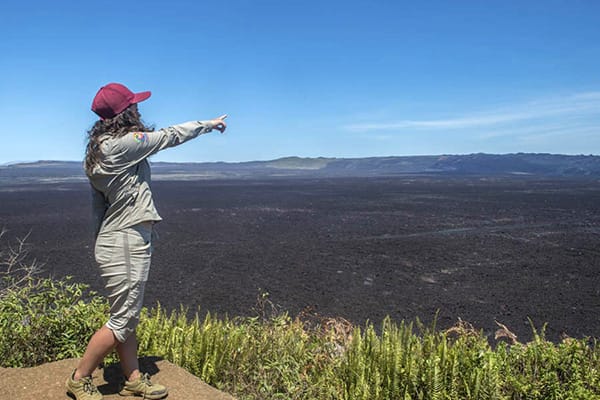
(121,195)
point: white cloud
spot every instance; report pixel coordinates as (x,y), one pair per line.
(579,133)
(580,105)
(521,131)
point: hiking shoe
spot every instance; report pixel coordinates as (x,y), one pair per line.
(144,388)
(83,389)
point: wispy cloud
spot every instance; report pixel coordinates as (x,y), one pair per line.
(538,130)
(578,105)
(579,132)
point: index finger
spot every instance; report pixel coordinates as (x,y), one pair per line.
(223,116)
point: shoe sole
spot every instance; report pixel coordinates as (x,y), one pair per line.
(127,393)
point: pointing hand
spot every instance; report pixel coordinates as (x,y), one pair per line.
(219,123)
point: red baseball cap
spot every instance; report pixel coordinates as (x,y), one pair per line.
(114,98)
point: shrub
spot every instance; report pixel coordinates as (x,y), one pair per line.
(42,319)
(47,320)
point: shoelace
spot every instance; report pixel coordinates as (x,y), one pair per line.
(146,379)
(88,386)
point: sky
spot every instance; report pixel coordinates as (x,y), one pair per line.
(307,78)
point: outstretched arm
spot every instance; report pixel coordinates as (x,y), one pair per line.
(135,146)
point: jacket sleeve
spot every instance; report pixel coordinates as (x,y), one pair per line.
(99,208)
(136,146)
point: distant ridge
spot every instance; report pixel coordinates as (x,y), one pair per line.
(522,164)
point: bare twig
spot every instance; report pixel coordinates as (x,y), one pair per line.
(463,328)
(15,267)
(504,332)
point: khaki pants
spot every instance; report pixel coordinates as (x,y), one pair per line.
(124,259)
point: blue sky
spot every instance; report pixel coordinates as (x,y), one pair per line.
(308,78)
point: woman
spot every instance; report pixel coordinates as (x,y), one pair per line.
(118,170)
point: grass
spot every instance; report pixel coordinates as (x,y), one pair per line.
(276,356)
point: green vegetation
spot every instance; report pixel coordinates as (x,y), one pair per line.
(47,320)
(299,163)
(275,356)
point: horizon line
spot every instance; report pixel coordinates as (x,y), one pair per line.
(10,163)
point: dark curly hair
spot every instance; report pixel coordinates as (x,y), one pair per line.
(125,122)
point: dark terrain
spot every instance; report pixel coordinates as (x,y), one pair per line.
(519,164)
(480,249)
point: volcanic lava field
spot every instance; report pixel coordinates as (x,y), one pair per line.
(481,249)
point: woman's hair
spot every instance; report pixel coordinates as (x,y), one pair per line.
(125,122)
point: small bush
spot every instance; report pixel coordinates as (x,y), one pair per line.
(47,320)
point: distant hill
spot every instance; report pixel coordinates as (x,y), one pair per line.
(529,164)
